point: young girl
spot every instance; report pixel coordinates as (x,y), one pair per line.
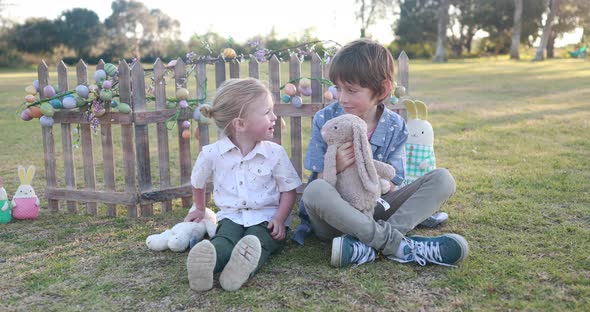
(253,186)
(363,74)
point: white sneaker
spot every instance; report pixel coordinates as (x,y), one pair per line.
(200,265)
(244,260)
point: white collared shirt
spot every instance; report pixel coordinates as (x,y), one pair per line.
(246,189)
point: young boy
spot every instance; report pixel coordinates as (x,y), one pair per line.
(363,74)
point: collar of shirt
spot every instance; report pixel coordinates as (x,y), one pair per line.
(226,146)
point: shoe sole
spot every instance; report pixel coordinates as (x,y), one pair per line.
(336,257)
(435,220)
(200,265)
(243,261)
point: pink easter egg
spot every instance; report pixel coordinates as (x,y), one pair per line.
(24,115)
(290,89)
(107,84)
(183,104)
(305,91)
(186,124)
(48,91)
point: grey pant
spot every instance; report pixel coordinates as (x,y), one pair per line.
(332,216)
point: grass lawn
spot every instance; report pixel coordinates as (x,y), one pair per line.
(514,134)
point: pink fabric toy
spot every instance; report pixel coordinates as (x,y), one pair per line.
(25,203)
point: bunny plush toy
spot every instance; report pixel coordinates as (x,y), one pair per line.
(5,207)
(420,143)
(362,183)
(25,203)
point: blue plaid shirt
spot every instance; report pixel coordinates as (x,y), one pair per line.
(387,143)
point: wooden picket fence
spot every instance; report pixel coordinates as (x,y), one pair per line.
(139,189)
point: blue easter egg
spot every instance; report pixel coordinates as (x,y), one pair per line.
(333,90)
(82,91)
(69,102)
(100,76)
(286,98)
(393,99)
(197,115)
(56,103)
(114,103)
(46,121)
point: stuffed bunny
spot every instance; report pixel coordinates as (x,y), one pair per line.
(25,203)
(420,143)
(184,234)
(366,172)
(5,206)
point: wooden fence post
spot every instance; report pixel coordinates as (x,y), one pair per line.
(66,141)
(127,137)
(163,147)
(108,158)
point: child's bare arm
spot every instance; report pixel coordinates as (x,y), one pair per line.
(277,224)
(199,198)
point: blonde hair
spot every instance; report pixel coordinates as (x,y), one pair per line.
(233,100)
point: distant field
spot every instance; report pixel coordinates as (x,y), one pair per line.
(514,135)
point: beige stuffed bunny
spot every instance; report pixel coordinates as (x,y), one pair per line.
(359,184)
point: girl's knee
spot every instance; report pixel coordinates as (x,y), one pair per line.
(446,181)
(314,190)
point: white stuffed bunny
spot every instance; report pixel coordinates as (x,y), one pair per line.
(179,237)
(420,143)
(360,184)
(25,203)
(5,206)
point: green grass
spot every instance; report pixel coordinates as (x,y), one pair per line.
(514,135)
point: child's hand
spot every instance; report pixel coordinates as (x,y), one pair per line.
(344,156)
(278,229)
(195,216)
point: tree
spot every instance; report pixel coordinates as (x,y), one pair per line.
(35,35)
(369,11)
(554,6)
(442,22)
(516,30)
(80,29)
(570,15)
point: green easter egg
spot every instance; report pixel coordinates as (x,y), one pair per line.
(124,108)
(80,101)
(110,69)
(47,109)
(106,95)
(171,105)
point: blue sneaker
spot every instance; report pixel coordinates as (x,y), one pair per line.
(347,250)
(435,220)
(446,249)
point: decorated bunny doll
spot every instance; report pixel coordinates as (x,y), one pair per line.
(420,143)
(25,203)
(5,207)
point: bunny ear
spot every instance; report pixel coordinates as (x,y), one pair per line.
(363,158)
(30,174)
(21,174)
(422,110)
(411,108)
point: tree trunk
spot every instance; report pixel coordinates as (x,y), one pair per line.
(443,19)
(539,56)
(362,32)
(551,45)
(516,30)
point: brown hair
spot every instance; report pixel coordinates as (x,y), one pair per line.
(233,100)
(364,62)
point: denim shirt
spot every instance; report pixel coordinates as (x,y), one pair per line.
(387,144)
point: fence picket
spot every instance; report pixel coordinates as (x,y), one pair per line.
(184,146)
(163,151)
(127,137)
(66,141)
(295,131)
(274,80)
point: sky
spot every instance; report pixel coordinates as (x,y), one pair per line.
(241,20)
(329,19)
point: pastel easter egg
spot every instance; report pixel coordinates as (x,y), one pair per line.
(93,88)
(328,95)
(24,115)
(99,112)
(186,134)
(333,90)
(305,91)
(46,121)
(197,115)
(296,101)
(100,76)
(110,69)
(80,101)
(399,91)
(171,64)
(35,112)
(124,108)
(290,89)
(69,102)
(186,124)
(183,104)
(47,109)
(31,90)
(56,103)
(29,98)
(82,91)
(36,85)
(229,53)
(286,98)
(203,119)
(106,95)
(393,100)
(182,94)
(171,105)
(305,83)
(107,84)
(114,103)
(48,91)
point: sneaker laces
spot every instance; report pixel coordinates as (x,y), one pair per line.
(362,253)
(424,252)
